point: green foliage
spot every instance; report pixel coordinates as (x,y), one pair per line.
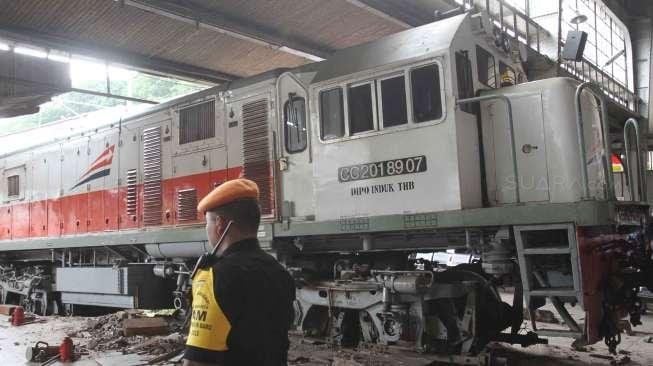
(70,105)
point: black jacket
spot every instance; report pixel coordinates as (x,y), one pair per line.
(256,295)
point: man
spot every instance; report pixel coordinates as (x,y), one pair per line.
(242,298)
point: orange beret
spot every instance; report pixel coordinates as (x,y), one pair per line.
(228,192)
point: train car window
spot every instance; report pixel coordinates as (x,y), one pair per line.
(13,186)
(361,112)
(197,122)
(332,116)
(294,112)
(425,92)
(464,79)
(393,101)
(486,67)
(508,76)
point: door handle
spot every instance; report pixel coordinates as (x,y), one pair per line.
(528,148)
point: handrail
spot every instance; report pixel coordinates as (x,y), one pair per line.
(581,139)
(583,71)
(640,177)
(506,100)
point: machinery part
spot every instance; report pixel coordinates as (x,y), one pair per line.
(31,284)
(18,316)
(41,352)
(491,315)
(497,256)
(404,282)
(164,270)
(66,350)
(178,250)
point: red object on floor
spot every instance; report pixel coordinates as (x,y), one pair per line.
(18,316)
(66,350)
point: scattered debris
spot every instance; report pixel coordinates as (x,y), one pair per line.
(7,309)
(544,316)
(133,332)
(623,361)
(603,357)
(144,326)
(166,356)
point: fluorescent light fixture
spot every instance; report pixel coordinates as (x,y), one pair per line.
(28,51)
(299,53)
(4,47)
(58,56)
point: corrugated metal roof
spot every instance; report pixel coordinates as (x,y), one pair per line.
(328,25)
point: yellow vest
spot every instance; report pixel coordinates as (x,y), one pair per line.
(209,326)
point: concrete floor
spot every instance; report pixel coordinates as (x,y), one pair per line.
(15,340)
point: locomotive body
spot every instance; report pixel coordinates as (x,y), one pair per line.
(403,145)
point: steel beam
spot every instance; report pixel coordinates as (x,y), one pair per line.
(203,17)
(153,65)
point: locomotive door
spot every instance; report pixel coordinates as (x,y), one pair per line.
(250,139)
(198,160)
(530,148)
(295,158)
(152,148)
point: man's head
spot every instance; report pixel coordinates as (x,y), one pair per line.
(237,201)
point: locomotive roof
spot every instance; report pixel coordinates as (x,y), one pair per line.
(404,45)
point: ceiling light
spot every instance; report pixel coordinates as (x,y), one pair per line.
(578,18)
(59,57)
(27,51)
(4,47)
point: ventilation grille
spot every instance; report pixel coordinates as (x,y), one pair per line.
(187,205)
(152,176)
(132,195)
(197,122)
(256,150)
(13,186)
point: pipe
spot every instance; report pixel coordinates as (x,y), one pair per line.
(506,100)
(178,250)
(640,178)
(581,139)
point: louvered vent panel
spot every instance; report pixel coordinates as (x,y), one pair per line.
(197,122)
(152,206)
(187,205)
(132,194)
(256,150)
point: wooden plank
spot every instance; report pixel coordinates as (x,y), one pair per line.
(7,309)
(145,326)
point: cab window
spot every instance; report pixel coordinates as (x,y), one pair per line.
(425,92)
(393,101)
(361,110)
(485,67)
(332,121)
(294,114)
(464,79)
